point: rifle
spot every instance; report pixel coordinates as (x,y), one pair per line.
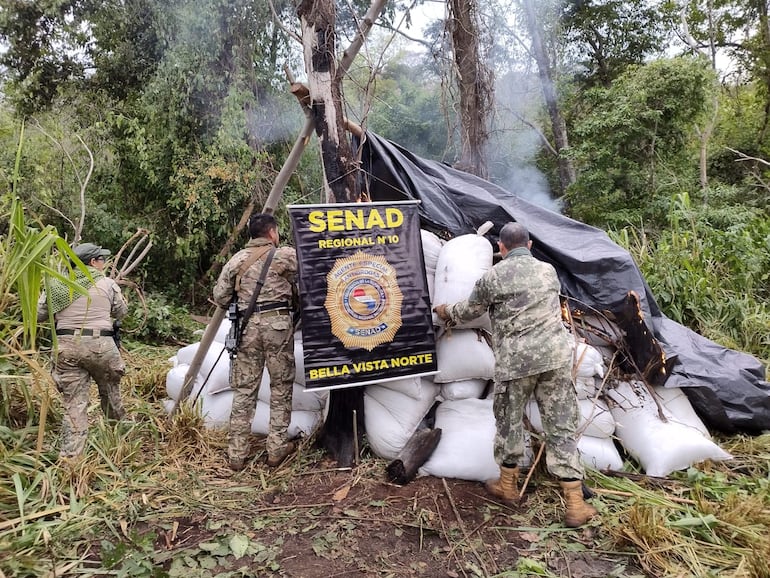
(238,322)
(116,332)
(232,341)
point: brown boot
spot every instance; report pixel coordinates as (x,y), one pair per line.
(277,457)
(505,488)
(578,511)
(236,464)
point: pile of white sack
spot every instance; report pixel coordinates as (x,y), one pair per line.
(211,389)
(612,412)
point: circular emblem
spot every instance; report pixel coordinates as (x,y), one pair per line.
(363,300)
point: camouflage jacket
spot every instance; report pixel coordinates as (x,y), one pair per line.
(522,296)
(280,283)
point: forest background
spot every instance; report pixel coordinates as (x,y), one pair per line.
(173,117)
(647,119)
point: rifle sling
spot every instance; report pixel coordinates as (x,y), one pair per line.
(255,256)
(257,290)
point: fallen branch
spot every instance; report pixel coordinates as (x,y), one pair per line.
(466,537)
(415,453)
(532,469)
(745,157)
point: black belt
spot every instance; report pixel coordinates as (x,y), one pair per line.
(262,307)
(92,332)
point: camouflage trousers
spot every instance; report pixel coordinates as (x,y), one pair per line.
(267,341)
(78,360)
(557,401)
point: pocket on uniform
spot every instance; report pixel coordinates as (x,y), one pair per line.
(97,345)
(281,323)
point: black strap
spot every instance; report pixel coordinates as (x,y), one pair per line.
(86,332)
(272,306)
(257,289)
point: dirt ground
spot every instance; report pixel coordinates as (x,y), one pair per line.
(321,521)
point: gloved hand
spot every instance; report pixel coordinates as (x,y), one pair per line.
(441,311)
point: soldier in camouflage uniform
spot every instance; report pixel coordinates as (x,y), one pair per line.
(532,356)
(268,339)
(85,345)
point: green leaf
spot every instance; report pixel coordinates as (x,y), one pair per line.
(207,562)
(692,521)
(238,544)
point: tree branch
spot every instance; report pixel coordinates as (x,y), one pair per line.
(745,157)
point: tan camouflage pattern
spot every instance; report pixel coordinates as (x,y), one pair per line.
(78,360)
(268,341)
(557,401)
(104,303)
(532,356)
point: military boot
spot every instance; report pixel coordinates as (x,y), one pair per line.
(578,511)
(505,488)
(275,459)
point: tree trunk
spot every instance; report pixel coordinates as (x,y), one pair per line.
(475,82)
(343,428)
(763,65)
(317,18)
(567,173)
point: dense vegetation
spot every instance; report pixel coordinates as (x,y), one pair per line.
(171,117)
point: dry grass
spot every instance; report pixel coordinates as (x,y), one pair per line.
(706,522)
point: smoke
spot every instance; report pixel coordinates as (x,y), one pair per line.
(217,54)
(516,140)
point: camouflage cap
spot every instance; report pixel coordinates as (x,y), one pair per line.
(88,251)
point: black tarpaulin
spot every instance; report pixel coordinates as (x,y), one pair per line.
(727,388)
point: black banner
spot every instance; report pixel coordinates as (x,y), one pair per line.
(366,314)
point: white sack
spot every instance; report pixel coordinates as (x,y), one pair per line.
(675,400)
(660,447)
(301,399)
(463,354)
(599,453)
(588,361)
(595,418)
(586,387)
(391,417)
(168,405)
(466,448)
(466,389)
(431,247)
(218,365)
(302,422)
(411,386)
(215,409)
(175,381)
(299,359)
(216,372)
(186,353)
(222,331)
(461,262)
